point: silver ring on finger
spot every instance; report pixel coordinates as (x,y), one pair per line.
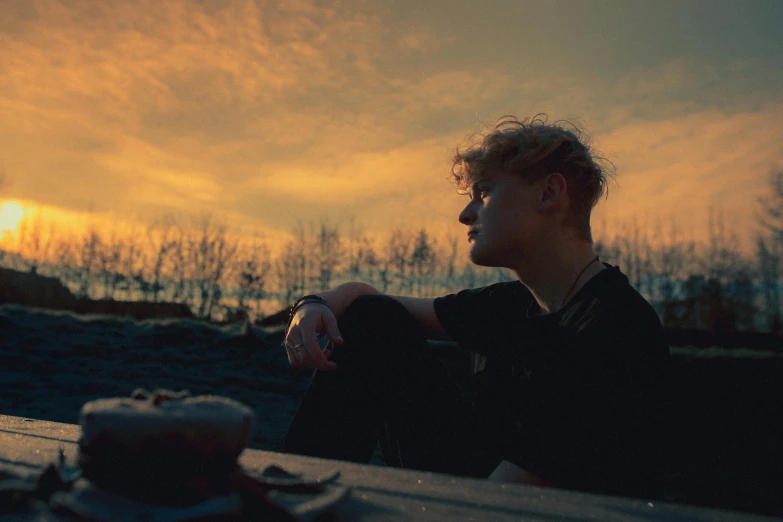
(298,352)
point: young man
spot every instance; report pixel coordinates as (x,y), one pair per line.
(574,359)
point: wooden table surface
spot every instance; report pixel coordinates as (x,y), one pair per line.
(379,493)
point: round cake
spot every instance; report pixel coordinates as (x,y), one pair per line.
(163,447)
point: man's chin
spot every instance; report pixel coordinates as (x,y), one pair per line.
(480,258)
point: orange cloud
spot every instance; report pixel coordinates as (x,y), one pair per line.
(679,167)
(267,112)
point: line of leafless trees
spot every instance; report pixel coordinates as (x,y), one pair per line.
(220,275)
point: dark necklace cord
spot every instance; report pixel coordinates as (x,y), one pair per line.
(575,280)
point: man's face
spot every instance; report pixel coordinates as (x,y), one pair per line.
(503,221)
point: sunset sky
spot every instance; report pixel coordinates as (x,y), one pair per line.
(269,112)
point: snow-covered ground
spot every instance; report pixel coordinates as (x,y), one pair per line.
(53,362)
(726,431)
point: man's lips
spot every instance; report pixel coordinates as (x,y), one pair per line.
(472,233)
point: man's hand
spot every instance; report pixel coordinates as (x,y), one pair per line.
(508,472)
(301,341)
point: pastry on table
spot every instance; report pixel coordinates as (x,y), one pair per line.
(163,447)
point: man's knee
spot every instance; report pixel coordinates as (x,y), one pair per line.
(377,314)
(373,308)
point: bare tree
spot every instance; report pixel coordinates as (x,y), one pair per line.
(449,260)
(423,263)
(730,305)
(87,260)
(740,295)
(328,253)
(632,248)
(768,251)
(210,252)
(370,260)
(353,249)
(770,248)
(64,259)
(384,270)
(253,276)
(181,290)
(293,267)
(722,259)
(365,265)
(771,217)
(109,259)
(285,270)
(34,241)
(161,243)
(669,263)
(397,250)
(132,263)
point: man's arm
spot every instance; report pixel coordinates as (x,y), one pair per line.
(421,308)
(313,319)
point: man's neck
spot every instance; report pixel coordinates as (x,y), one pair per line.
(554,281)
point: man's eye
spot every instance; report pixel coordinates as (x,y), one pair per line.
(480,192)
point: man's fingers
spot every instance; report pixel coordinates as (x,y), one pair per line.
(328,365)
(307,352)
(296,352)
(330,325)
(292,360)
(312,351)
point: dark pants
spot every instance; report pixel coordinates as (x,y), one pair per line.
(389,388)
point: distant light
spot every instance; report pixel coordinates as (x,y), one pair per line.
(10,215)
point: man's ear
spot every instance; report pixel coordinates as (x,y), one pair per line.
(553,190)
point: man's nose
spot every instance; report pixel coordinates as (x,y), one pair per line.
(468,215)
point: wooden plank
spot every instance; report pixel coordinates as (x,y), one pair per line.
(379,493)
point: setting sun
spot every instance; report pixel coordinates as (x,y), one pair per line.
(10,216)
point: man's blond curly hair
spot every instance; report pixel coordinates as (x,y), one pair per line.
(534,149)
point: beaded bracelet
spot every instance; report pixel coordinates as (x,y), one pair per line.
(312,298)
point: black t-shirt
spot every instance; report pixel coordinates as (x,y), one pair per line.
(578,393)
